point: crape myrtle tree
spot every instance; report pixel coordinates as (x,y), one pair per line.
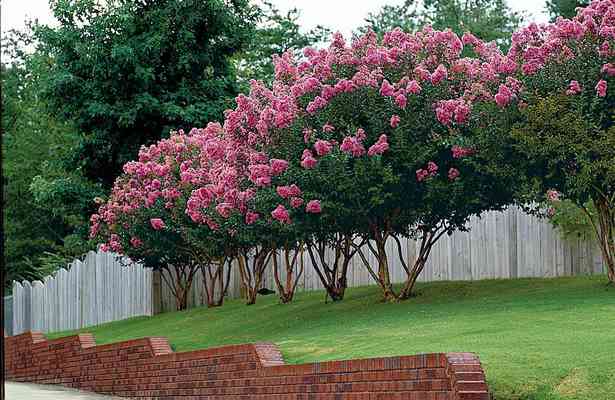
(566,128)
(147,216)
(386,127)
(265,231)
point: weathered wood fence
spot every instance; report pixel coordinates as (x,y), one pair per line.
(90,292)
(99,289)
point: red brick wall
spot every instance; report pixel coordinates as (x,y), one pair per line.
(148,369)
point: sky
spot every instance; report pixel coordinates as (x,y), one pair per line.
(342,15)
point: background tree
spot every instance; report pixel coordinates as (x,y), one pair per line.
(38,239)
(564,8)
(275,34)
(489,20)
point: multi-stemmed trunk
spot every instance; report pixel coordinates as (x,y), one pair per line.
(379,235)
(252,264)
(178,279)
(605,232)
(215,282)
(292,257)
(333,274)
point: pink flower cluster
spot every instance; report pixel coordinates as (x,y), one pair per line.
(430,171)
(589,35)
(379,147)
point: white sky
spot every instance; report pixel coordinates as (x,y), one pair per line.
(342,15)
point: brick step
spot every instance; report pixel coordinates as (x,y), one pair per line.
(473,395)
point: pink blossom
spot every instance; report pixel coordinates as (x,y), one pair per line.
(157,223)
(135,242)
(573,88)
(224,209)
(352,145)
(296,202)
(386,89)
(553,195)
(421,175)
(294,190)
(504,96)
(432,168)
(281,214)
(601,88)
(313,206)
(439,75)
(283,191)
(251,217)
(413,87)
(328,128)
(401,101)
(307,160)
(278,166)
(322,147)
(395,121)
(379,147)
(453,174)
(608,69)
(460,152)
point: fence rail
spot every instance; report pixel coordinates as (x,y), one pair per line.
(100,289)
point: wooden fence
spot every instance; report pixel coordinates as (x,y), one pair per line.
(90,292)
(509,244)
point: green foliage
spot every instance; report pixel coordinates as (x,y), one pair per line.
(489,20)
(127,72)
(37,238)
(571,220)
(564,8)
(275,34)
(406,16)
(570,149)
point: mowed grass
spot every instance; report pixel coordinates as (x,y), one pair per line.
(538,339)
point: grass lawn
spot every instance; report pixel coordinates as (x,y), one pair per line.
(538,339)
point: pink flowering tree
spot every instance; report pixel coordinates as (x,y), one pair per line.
(566,129)
(148,214)
(380,133)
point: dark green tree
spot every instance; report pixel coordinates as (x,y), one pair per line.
(127,72)
(37,238)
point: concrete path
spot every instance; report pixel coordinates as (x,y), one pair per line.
(29,391)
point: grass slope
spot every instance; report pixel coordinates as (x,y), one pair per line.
(539,339)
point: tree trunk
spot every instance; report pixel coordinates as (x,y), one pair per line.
(605,232)
(382,277)
(215,282)
(333,276)
(252,265)
(286,291)
(179,281)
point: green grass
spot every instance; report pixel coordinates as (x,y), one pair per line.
(539,339)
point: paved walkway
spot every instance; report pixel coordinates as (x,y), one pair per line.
(28,391)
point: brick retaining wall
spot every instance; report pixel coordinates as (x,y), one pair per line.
(148,369)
